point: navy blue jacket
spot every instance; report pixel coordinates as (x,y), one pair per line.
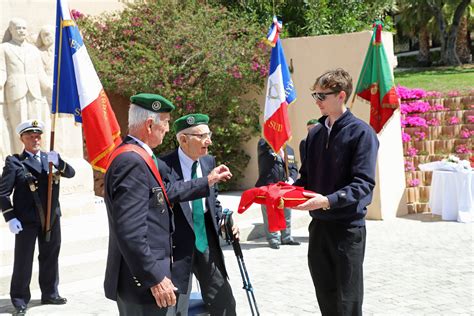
(14,180)
(271,167)
(341,166)
(183,238)
(140,228)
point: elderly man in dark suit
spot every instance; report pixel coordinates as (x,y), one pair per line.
(197,223)
(138,272)
(26,175)
(271,169)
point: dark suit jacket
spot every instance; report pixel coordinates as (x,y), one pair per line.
(14,180)
(140,228)
(183,238)
(271,167)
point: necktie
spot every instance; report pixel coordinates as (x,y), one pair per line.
(37,159)
(155,160)
(198,218)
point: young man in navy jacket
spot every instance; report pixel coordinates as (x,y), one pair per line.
(339,165)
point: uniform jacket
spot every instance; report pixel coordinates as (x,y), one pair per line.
(341,166)
(183,238)
(21,71)
(140,228)
(271,167)
(14,180)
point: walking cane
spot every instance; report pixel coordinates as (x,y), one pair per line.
(229,237)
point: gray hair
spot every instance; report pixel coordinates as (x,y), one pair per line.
(137,115)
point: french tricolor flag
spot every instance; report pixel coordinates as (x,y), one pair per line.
(280,94)
(77,90)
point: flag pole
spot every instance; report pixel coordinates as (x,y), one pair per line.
(285,153)
(51,144)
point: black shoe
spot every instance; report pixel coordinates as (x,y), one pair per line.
(291,242)
(54,301)
(275,245)
(20,310)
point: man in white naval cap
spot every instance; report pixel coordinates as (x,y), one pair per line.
(25,175)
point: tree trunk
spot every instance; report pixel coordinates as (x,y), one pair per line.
(462,45)
(424,51)
(448,34)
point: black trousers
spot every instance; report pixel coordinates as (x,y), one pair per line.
(209,269)
(25,242)
(335,259)
(131,309)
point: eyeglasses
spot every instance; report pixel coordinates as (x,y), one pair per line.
(202,136)
(321,96)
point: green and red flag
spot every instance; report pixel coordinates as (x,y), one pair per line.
(376,83)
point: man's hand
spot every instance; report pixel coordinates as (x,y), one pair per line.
(316,201)
(54,158)
(235,231)
(15,226)
(163,293)
(219,174)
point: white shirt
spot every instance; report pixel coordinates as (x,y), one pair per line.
(36,156)
(186,167)
(145,146)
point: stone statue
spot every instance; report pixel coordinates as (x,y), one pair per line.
(45,43)
(22,79)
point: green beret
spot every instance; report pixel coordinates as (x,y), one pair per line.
(312,121)
(190,120)
(152,102)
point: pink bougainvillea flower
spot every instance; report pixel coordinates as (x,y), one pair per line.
(410,94)
(470,118)
(462,149)
(409,166)
(433,122)
(434,94)
(420,135)
(415,121)
(412,151)
(453,93)
(438,107)
(465,133)
(406,137)
(414,182)
(453,120)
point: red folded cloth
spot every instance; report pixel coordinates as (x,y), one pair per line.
(276,197)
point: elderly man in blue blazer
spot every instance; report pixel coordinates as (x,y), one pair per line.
(26,176)
(197,223)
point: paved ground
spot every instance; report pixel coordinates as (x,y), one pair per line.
(415,265)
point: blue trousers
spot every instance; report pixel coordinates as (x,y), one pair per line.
(284,235)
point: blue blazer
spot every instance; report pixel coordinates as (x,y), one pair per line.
(140,228)
(183,237)
(271,167)
(14,180)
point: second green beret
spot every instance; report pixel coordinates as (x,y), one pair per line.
(312,121)
(190,120)
(152,102)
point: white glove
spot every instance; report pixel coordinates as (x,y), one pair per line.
(15,226)
(53,157)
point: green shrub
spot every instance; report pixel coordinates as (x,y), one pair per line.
(202,58)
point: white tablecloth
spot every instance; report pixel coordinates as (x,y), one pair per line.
(452,195)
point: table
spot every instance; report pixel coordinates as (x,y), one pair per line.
(452,195)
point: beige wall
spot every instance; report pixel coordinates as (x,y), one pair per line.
(310,57)
(41,12)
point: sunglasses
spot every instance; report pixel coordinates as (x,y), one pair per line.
(202,136)
(321,96)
